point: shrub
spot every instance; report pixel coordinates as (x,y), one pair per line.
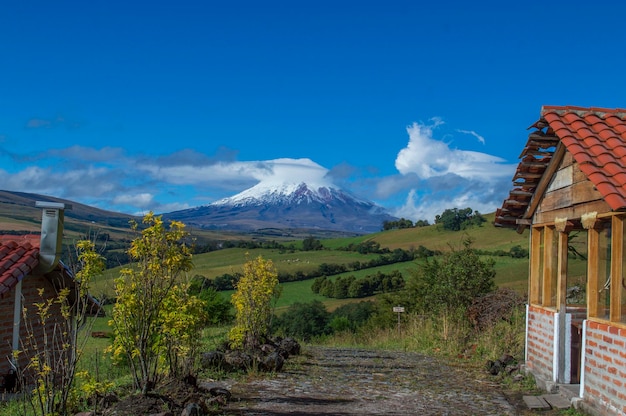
(253,297)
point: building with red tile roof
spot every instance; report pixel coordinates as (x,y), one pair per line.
(569,190)
(30,272)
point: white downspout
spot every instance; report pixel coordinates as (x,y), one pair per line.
(526,335)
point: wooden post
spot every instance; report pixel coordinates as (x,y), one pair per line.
(617,246)
(548,265)
(593,270)
(535,266)
(561,305)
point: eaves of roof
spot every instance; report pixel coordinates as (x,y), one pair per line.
(596,138)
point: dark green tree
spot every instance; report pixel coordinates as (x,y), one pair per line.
(311,243)
(459,219)
(452,281)
(303,321)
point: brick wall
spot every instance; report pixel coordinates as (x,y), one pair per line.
(540,342)
(30,287)
(6,330)
(605,368)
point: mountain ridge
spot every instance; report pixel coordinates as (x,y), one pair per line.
(288,205)
(280,206)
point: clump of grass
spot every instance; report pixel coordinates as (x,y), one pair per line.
(452,337)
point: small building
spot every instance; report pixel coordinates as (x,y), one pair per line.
(569,190)
(30,272)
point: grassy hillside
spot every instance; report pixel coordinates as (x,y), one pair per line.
(434,237)
(510,272)
(19,214)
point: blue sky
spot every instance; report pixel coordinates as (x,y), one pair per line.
(419,107)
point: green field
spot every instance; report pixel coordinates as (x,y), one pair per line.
(510,272)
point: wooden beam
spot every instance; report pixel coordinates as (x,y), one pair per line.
(545,180)
(542,137)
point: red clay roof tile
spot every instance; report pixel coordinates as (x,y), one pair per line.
(18,258)
(596,139)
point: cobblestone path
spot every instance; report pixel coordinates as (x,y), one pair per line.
(343,381)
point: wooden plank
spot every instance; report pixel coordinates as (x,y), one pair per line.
(539,136)
(568,160)
(575,193)
(563,178)
(579,176)
(574,212)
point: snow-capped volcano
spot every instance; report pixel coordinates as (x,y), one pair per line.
(287,193)
(288,196)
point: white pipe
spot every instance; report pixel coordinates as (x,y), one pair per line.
(526,335)
(567,373)
(555,349)
(17,314)
(583,359)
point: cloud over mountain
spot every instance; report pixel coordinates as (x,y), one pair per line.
(432,175)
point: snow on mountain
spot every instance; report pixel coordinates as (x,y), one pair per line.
(285,197)
(287,193)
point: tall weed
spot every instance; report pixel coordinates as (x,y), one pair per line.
(451,336)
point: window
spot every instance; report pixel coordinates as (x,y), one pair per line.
(576,294)
(550,269)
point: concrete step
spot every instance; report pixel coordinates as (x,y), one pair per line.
(557,401)
(536,403)
(547,402)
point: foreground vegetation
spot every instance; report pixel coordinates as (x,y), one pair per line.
(444,295)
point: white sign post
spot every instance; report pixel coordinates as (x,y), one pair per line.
(398,310)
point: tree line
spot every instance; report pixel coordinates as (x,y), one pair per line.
(351,287)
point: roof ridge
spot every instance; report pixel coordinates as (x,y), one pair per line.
(580,111)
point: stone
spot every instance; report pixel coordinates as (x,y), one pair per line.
(536,403)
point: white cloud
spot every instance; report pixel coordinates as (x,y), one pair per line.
(448,177)
(142,200)
(428,157)
(473,133)
(428,206)
(251,172)
(432,176)
(294,171)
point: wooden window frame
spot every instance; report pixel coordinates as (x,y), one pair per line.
(550,264)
